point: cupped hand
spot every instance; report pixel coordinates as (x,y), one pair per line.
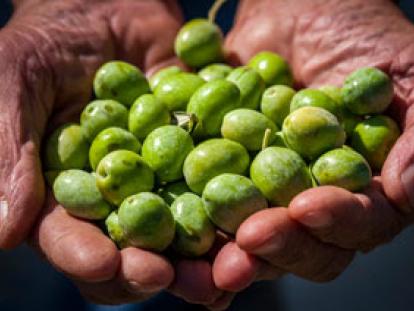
(317,236)
(49,53)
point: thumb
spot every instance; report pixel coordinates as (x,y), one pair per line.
(21,190)
(21,182)
(398,173)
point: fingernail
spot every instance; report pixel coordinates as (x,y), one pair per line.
(275,244)
(316,219)
(407,179)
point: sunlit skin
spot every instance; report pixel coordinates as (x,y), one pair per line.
(47,61)
(324,41)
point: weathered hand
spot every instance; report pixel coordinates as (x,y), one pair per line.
(318,235)
(48,55)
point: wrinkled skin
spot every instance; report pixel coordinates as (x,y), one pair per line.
(48,55)
(324,40)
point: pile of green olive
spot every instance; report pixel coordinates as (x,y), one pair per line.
(165,162)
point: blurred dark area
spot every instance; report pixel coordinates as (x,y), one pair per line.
(408,7)
(6,9)
(27,282)
(381,280)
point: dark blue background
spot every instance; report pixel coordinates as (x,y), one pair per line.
(5,11)
(381,280)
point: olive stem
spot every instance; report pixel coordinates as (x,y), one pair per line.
(212,13)
(266,138)
(185,120)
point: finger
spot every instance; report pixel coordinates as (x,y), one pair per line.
(223,302)
(268,272)
(145,272)
(194,282)
(108,293)
(272,235)
(141,275)
(77,248)
(21,188)
(352,221)
(398,173)
(234,269)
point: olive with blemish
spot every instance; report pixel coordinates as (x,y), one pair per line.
(122,173)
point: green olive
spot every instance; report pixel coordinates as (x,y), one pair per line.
(76,191)
(272,67)
(247,127)
(165,150)
(120,81)
(229,199)
(101,114)
(342,167)
(162,74)
(374,138)
(122,173)
(211,158)
(146,114)
(315,98)
(347,118)
(367,91)
(66,148)
(311,131)
(215,72)
(349,122)
(250,84)
(275,103)
(280,174)
(111,139)
(115,231)
(172,191)
(194,232)
(176,90)
(210,103)
(146,221)
(199,43)
(333,92)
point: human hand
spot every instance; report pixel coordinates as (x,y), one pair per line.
(318,235)
(49,53)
